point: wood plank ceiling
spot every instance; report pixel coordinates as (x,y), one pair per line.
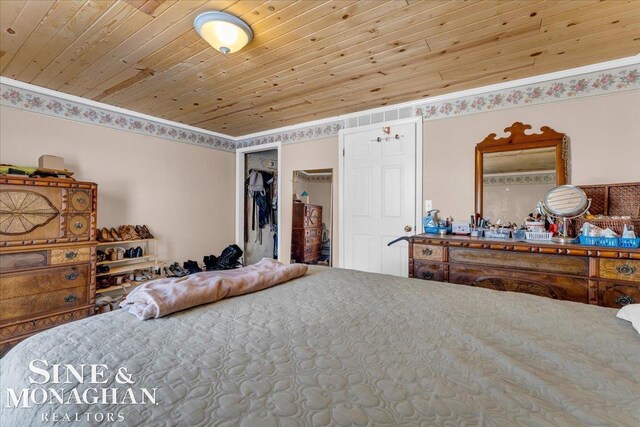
(308,60)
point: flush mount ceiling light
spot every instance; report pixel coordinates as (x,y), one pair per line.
(224,32)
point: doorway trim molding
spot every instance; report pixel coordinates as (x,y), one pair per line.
(341,173)
(240,165)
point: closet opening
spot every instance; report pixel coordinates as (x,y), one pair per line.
(260,210)
(312,217)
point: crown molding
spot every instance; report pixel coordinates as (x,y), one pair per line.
(596,79)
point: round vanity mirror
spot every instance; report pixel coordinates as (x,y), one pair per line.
(563,203)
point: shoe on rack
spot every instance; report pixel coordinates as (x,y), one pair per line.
(138,275)
(138,252)
(114,234)
(132,232)
(146,232)
(101,255)
(102,269)
(122,231)
(105,236)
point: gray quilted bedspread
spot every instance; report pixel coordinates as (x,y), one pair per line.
(340,347)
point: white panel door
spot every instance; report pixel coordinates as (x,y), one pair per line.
(379,198)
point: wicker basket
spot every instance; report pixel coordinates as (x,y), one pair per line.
(613,200)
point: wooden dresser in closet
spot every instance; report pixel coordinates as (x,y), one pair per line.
(47,254)
(604,276)
(306,236)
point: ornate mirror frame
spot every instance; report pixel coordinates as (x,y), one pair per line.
(518,140)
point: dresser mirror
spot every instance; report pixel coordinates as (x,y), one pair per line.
(515,172)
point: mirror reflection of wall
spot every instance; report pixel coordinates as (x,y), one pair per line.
(514,181)
(311,222)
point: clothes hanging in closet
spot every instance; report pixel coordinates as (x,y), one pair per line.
(261,187)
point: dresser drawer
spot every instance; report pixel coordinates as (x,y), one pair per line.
(313,211)
(312,249)
(618,294)
(312,241)
(34,305)
(541,284)
(620,269)
(312,222)
(561,264)
(429,252)
(70,255)
(428,270)
(35,282)
(23,261)
(313,232)
(77,225)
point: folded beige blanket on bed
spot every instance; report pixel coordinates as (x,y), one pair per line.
(165,296)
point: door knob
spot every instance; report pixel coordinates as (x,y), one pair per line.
(408,228)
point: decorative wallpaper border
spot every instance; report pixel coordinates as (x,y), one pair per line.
(582,85)
(303,177)
(295,135)
(614,80)
(522,179)
(25,99)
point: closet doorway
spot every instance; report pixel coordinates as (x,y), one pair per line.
(257,213)
(312,217)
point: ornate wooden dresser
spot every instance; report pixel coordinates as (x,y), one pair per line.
(47,254)
(608,277)
(306,236)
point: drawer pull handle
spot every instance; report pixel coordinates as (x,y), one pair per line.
(427,275)
(71,255)
(78,225)
(427,251)
(72,276)
(70,298)
(625,269)
(624,300)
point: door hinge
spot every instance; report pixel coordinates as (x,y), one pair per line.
(343,152)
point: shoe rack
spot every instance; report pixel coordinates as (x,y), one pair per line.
(148,262)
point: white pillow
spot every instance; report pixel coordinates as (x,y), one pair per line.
(631,313)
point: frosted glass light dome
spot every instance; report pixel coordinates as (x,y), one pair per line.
(222,31)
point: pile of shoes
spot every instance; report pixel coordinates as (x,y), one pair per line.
(125,232)
(228,259)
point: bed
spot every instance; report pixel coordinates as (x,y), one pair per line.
(341,347)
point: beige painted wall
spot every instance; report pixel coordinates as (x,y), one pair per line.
(318,154)
(604,133)
(184,193)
